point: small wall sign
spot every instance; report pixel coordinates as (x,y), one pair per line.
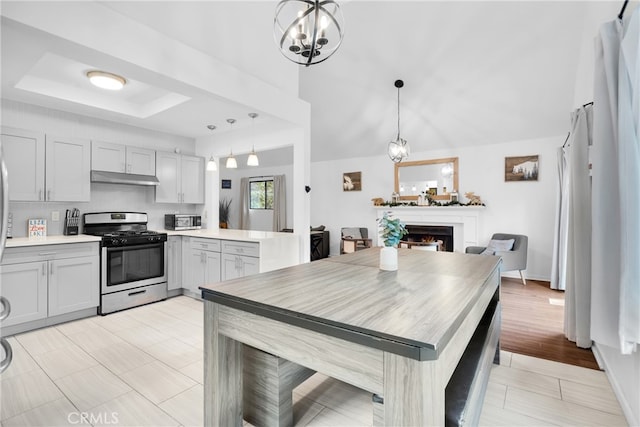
(37,228)
(226,184)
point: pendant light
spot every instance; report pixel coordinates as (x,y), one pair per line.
(231,161)
(252,160)
(211,164)
(308,31)
(399,149)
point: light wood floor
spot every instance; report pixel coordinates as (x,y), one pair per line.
(143,367)
(533,321)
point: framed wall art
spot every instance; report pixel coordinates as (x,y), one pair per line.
(352,181)
(523,168)
(226,184)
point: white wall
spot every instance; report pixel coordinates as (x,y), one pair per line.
(512,207)
(104,197)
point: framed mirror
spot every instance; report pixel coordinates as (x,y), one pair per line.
(439,177)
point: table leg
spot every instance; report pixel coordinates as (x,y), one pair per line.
(413,392)
(223,363)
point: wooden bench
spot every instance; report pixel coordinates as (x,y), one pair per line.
(464,394)
(267,397)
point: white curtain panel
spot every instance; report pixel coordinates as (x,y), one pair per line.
(629,178)
(577,314)
(616,186)
(559,260)
(605,274)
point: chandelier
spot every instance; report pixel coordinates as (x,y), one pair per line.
(308,31)
(398,149)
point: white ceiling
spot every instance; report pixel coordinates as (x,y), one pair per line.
(475,72)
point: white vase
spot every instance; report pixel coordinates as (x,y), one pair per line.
(388,258)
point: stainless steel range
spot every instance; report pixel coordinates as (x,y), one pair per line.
(133,260)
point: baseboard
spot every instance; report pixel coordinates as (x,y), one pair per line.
(624,404)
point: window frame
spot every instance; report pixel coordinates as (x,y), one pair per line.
(266,182)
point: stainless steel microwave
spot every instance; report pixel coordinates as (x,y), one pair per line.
(182,222)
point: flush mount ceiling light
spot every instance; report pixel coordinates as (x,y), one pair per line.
(308,32)
(211,164)
(105,80)
(231,161)
(398,150)
(252,160)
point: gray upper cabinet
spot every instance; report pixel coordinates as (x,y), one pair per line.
(181,178)
(24,156)
(68,169)
(46,168)
(107,156)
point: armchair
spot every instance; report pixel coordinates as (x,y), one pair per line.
(514,259)
(353,239)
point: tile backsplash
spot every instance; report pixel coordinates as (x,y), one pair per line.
(104,198)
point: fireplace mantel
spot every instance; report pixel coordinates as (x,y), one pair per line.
(463,219)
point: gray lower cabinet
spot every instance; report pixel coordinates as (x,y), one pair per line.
(240,259)
(45,281)
(203,263)
(174,260)
(25,286)
(73,284)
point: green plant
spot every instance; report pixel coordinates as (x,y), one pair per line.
(223,210)
(391,229)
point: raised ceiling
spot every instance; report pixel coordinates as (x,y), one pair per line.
(475,72)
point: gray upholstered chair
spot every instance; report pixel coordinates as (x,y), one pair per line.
(353,239)
(515,259)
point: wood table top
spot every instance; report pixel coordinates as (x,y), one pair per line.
(414,309)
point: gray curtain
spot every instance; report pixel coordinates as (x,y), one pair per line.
(279,203)
(245,223)
(577,314)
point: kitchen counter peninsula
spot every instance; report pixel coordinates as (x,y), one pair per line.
(400,335)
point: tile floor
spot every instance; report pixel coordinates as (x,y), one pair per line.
(143,367)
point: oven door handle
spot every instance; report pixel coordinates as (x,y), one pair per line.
(135,247)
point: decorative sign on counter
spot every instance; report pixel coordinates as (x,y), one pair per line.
(37,228)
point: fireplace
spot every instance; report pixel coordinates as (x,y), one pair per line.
(427,233)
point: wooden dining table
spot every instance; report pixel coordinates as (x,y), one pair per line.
(397,334)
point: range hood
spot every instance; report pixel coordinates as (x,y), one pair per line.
(123,178)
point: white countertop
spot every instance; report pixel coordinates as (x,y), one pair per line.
(223,234)
(17,242)
(230,234)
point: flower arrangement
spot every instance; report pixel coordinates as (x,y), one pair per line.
(391,230)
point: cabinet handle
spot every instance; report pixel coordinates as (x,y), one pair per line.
(40,194)
(46,253)
(129,168)
(44,270)
(49,195)
(50,269)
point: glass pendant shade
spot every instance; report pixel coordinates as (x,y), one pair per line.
(231,162)
(252,160)
(398,149)
(308,31)
(211,165)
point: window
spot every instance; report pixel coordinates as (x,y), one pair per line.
(261,194)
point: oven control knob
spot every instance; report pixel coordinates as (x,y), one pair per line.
(114,241)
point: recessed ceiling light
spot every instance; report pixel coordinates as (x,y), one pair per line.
(105,80)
